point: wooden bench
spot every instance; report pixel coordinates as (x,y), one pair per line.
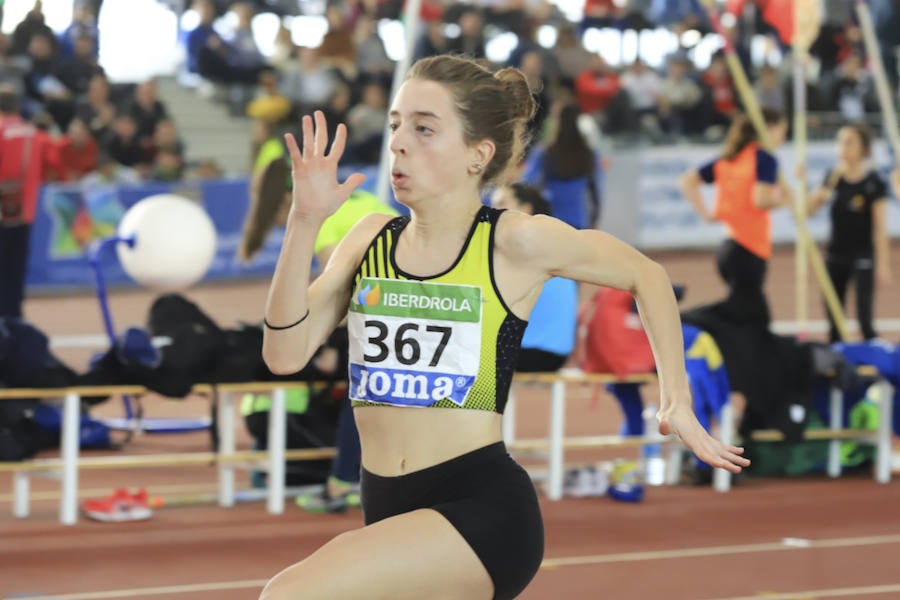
(557,442)
(228,459)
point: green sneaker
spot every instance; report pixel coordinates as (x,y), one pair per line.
(324,503)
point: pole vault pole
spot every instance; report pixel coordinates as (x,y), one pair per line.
(754,112)
(413,8)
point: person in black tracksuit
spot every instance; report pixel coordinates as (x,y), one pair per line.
(858,248)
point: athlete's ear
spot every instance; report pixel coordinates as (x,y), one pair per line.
(482,152)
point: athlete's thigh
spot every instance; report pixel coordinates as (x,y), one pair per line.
(414,555)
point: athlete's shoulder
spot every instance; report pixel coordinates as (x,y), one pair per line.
(875,186)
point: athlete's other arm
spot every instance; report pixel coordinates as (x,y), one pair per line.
(881,242)
(317,194)
(690,183)
(821,194)
(768,191)
(545,247)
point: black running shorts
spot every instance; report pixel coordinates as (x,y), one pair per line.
(486,496)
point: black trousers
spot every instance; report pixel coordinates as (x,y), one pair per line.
(745,274)
(13,263)
(862,271)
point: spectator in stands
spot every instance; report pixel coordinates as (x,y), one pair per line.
(431,42)
(110,171)
(12,68)
(596,86)
(167,139)
(198,37)
(284,51)
(27,156)
(270,104)
(309,83)
(644,87)
(33,24)
(852,90)
(147,109)
(211,57)
(337,107)
(680,99)
(770,89)
(571,55)
(124,145)
(470,41)
(886,16)
(243,54)
(528,43)
(337,48)
(44,90)
(168,165)
(550,336)
(84,24)
(371,57)
(77,71)
(722,95)
(599,14)
(366,124)
(243,51)
(564,168)
(677,14)
(600,94)
(507,15)
(97,109)
(78,152)
(532,66)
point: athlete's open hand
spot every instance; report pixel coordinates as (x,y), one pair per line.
(681,420)
(317,192)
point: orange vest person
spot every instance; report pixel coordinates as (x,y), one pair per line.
(746,190)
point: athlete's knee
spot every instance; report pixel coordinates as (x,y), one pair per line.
(314,578)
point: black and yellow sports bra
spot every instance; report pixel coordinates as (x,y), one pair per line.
(446,341)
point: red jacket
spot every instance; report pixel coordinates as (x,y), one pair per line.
(76,162)
(594,92)
(31,170)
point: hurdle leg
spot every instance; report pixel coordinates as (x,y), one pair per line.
(226,448)
(509,417)
(884,447)
(673,463)
(21,490)
(557,430)
(834,446)
(721,477)
(277,426)
(71,427)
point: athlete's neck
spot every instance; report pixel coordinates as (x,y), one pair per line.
(434,224)
(433,239)
(853,171)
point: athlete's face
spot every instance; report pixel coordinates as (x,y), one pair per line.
(849,145)
(429,157)
(777,133)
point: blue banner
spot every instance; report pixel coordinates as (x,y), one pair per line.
(70,217)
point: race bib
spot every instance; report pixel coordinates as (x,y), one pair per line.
(413,343)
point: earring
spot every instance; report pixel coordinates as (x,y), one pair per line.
(477,168)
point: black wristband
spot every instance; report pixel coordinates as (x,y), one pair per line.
(281,328)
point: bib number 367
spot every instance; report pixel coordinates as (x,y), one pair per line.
(405,342)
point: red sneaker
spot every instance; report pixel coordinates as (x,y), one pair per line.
(120,506)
